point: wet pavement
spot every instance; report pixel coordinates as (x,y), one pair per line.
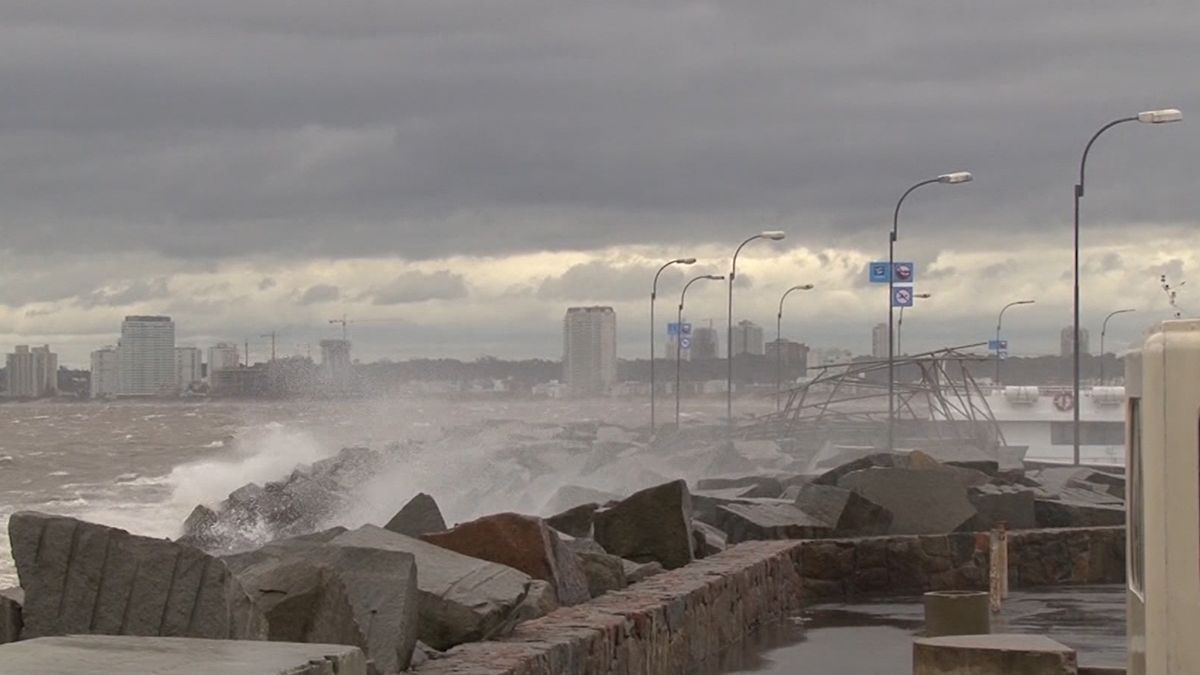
(875,638)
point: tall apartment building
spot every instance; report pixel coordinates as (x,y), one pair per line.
(1066,346)
(589,350)
(335,365)
(747,338)
(187,367)
(106,373)
(222,356)
(879,341)
(789,354)
(705,343)
(32,372)
(146,356)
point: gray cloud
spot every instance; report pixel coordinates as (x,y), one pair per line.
(130,293)
(419,286)
(320,293)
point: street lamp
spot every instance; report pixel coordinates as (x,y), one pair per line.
(1103,330)
(948,179)
(900,323)
(779,341)
(1149,117)
(773,235)
(678,339)
(999,321)
(653,297)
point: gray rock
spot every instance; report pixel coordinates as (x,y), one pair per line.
(125,655)
(1072,513)
(920,501)
(419,516)
(635,572)
(754,522)
(752,486)
(85,578)
(342,595)
(11,600)
(604,572)
(707,539)
(844,511)
(651,525)
(570,496)
(576,522)
(462,599)
(538,602)
(855,461)
(1007,504)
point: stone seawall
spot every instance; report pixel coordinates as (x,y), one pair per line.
(844,569)
(665,625)
(672,622)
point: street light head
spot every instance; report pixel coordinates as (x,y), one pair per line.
(806,287)
(1026,302)
(1160,116)
(956,177)
(715,277)
(923,296)
(686,261)
(773,235)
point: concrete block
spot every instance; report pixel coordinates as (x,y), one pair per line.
(999,654)
(128,655)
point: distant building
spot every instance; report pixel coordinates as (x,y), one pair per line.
(747,338)
(705,343)
(335,365)
(241,381)
(223,356)
(146,356)
(187,367)
(789,354)
(32,373)
(1067,345)
(589,350)
(106,373)
(879,341)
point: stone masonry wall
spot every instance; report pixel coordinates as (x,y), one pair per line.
(844,569)
(669,623)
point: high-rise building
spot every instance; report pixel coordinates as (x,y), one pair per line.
(1066,345)
(589,350)
(32,373)
(106,372)
(222,356)
(335,365)
(789,354)
(187,367)
(146,356)
(879,341)
(705,343)
(747,338)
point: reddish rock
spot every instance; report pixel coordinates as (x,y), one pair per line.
(524,543)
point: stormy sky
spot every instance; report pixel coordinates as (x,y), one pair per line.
(455,174)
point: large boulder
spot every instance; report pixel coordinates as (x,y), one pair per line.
(707,539)
(1009,504)
(844,511)
(419,516)
(365,597)
(751,522)
(751,486)
(1052,513)
(576,522)
(11,600)
(920,501)
(651,525)
(604,572)
(570,496)
(462,599)
(81,577)
(523,543)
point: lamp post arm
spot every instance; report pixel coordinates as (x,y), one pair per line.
(1088,148)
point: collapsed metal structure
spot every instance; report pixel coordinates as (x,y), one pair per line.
(937,403)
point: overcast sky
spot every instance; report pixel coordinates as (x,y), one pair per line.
(462,171)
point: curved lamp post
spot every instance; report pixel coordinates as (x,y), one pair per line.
(999,321)
(779,340)
(1103,331)
(678,349)
(653,297)
(900,323)
(773,235)
(948,179)
(1149,117)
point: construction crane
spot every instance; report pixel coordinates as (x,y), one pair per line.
(346,322)
(271,335)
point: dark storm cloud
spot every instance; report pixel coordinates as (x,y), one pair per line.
(419,286)
(425,128)
(320,293)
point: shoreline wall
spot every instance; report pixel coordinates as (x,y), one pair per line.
(671,623)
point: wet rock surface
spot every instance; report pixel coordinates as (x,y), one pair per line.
(11,600)
(653,525)
(419,516)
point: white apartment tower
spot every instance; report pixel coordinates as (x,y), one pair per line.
(146,356)
(187,367)
(223,356)
(879,341)
(32,373)
(589,350)
(106,374)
